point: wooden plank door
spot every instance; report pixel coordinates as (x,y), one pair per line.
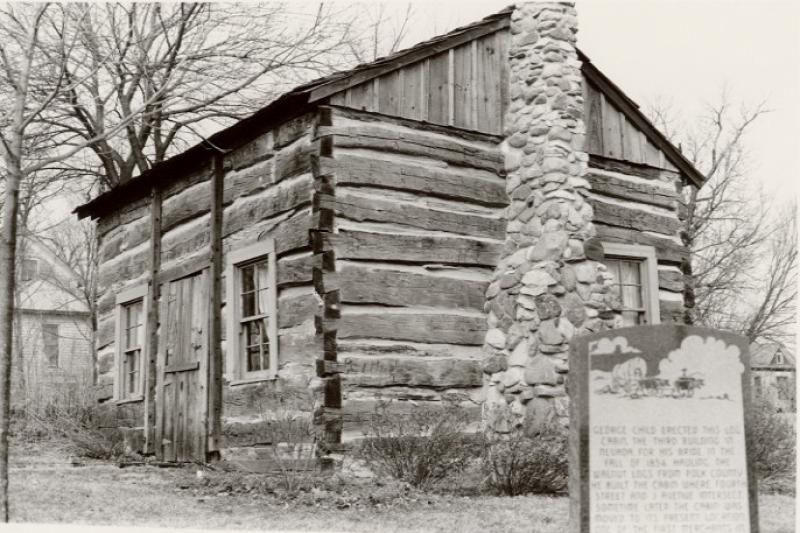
(181,384)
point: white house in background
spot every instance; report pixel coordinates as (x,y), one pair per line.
(52,332)
(773,373)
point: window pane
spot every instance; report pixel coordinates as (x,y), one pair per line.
(627,287)
(263,298)
(132,338)
(629,273)
(134,311)
(253,358)
(50,341)
(255,345)
(632,318)
(131,373)
(263,270)
(28,269)
(133,321)
(256,332)
(613,268)
(248,304)
(631,296)
(253,293)
(248,280)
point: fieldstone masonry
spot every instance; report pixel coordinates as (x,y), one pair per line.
(545,289)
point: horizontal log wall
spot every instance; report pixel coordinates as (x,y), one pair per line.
(268,191)
(123,263)
(417,229)
(639,204)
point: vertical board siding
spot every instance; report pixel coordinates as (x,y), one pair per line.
(490,62)
(610,134)
(593,111)
(438,89)
(612,129)
(361,96)
(391,90)
(411,98)
(462,87)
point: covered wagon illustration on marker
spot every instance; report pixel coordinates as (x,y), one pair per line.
(619,369)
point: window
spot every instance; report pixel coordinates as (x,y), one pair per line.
(757,386)
(251,300)
(635,283)
(28,269)
(50,343)
(130,342)
(784,393)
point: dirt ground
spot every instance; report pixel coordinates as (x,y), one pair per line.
(46,488)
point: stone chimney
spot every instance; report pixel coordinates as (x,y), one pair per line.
(548,286)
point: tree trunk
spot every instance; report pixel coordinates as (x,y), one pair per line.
(8,259)
(8,245)
(18,376)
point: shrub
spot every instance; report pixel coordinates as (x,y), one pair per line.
(419,448)
(520,464)
(94,443)
(290,429)
(772,445)
(78,425)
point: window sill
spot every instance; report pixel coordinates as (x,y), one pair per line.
(248,381)
(130,400)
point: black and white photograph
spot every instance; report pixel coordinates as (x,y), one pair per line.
(425,267)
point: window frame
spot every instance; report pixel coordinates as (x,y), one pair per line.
(25,274)
(649,274)
(782,385)
(48,361)
(126,298)
(236,260)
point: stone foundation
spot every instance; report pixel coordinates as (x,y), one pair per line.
(548,286)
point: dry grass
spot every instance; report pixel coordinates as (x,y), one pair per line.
(45,488)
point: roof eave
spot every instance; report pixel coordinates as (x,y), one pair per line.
(631,110)
(287,106)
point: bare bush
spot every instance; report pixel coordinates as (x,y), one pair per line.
(522,464)
(419,448)
(78,425)
(290,429)
(771,449)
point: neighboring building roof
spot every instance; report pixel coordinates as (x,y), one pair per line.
(771,356)
(304,97)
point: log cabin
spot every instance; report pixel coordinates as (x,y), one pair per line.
(434,226)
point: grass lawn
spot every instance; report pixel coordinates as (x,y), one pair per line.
(46,488)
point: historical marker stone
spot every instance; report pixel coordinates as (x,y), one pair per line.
(657,432)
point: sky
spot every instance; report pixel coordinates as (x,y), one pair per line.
(687,53)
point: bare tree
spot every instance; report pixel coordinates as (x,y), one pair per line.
(773,316)
(210,64)
(382,32)
(74,245)
(21,57)
(728,229)
(38,42)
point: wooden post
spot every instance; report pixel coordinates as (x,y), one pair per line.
(152,321)
(215,366)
